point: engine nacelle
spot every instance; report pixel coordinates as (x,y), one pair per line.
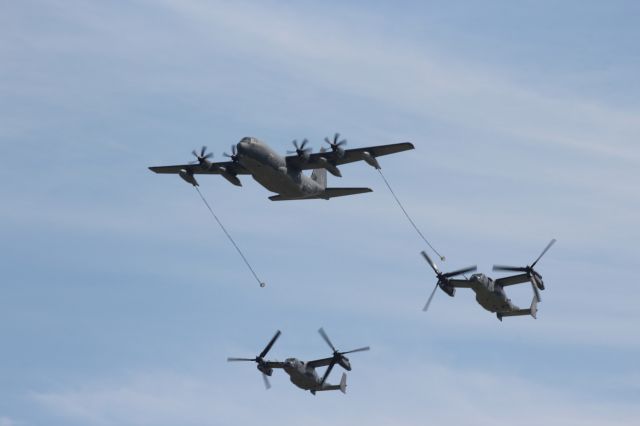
(264,369)
(370,160)
(187,176)
(450,290)
(344,363)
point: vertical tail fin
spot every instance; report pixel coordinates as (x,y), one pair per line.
(320,177)
(534,307)
(343,383)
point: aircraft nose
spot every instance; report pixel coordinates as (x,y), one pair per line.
(242,146)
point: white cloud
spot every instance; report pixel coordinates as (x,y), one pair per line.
(426,391)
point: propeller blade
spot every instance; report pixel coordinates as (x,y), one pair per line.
(267,385)
(230,359)
(202,151)
(509,268)
(326,373)
(326,339)
(195,154)
(268,347)
(430,262)
(426,306)
(304,142)
(366,348)
(209,155)
(460,271)
(552,242)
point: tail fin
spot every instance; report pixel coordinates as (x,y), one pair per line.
(320,177)
(343,383)
(534,307)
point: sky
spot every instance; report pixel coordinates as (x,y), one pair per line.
(121,298)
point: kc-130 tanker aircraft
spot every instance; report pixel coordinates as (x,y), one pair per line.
(284,175)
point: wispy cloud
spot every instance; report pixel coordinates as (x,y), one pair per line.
(433,391)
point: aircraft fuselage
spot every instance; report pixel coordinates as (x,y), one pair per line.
(270,170)
(303,376)
(490,295)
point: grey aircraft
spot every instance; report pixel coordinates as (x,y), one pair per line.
(490,293)
(303,374)
(284,175)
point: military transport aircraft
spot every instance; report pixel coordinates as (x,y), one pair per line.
(303,374)
(489,292)
(283,175)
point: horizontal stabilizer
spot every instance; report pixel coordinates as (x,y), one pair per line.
(533,310)
(342,387)
(325,195)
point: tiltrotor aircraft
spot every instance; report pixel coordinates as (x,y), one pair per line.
(303,374)
(489,292)
(283,175)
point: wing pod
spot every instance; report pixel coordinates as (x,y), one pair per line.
(370,160)
(231,177)
(187,176)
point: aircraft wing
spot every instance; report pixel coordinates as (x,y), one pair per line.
(513,279)
(215,169)
(319,362)
(349,155)
(274,364)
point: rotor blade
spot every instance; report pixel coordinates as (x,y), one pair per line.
(426,306)
(204,148)
(240,359)
(544,251)
(460,271)
(366,348)
(304,142)
(268,347)
(430,262)
(267,385)
(326,338)
(509,268)
(326,373)
(195,154)
(336,137)
(209,155)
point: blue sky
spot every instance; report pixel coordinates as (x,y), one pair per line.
(121,298)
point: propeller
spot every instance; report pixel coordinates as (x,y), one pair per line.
(234,154)
(443,278)
(535,277)
(262,364)
(302,152)
(338,357)
(203,159)
(336,146)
